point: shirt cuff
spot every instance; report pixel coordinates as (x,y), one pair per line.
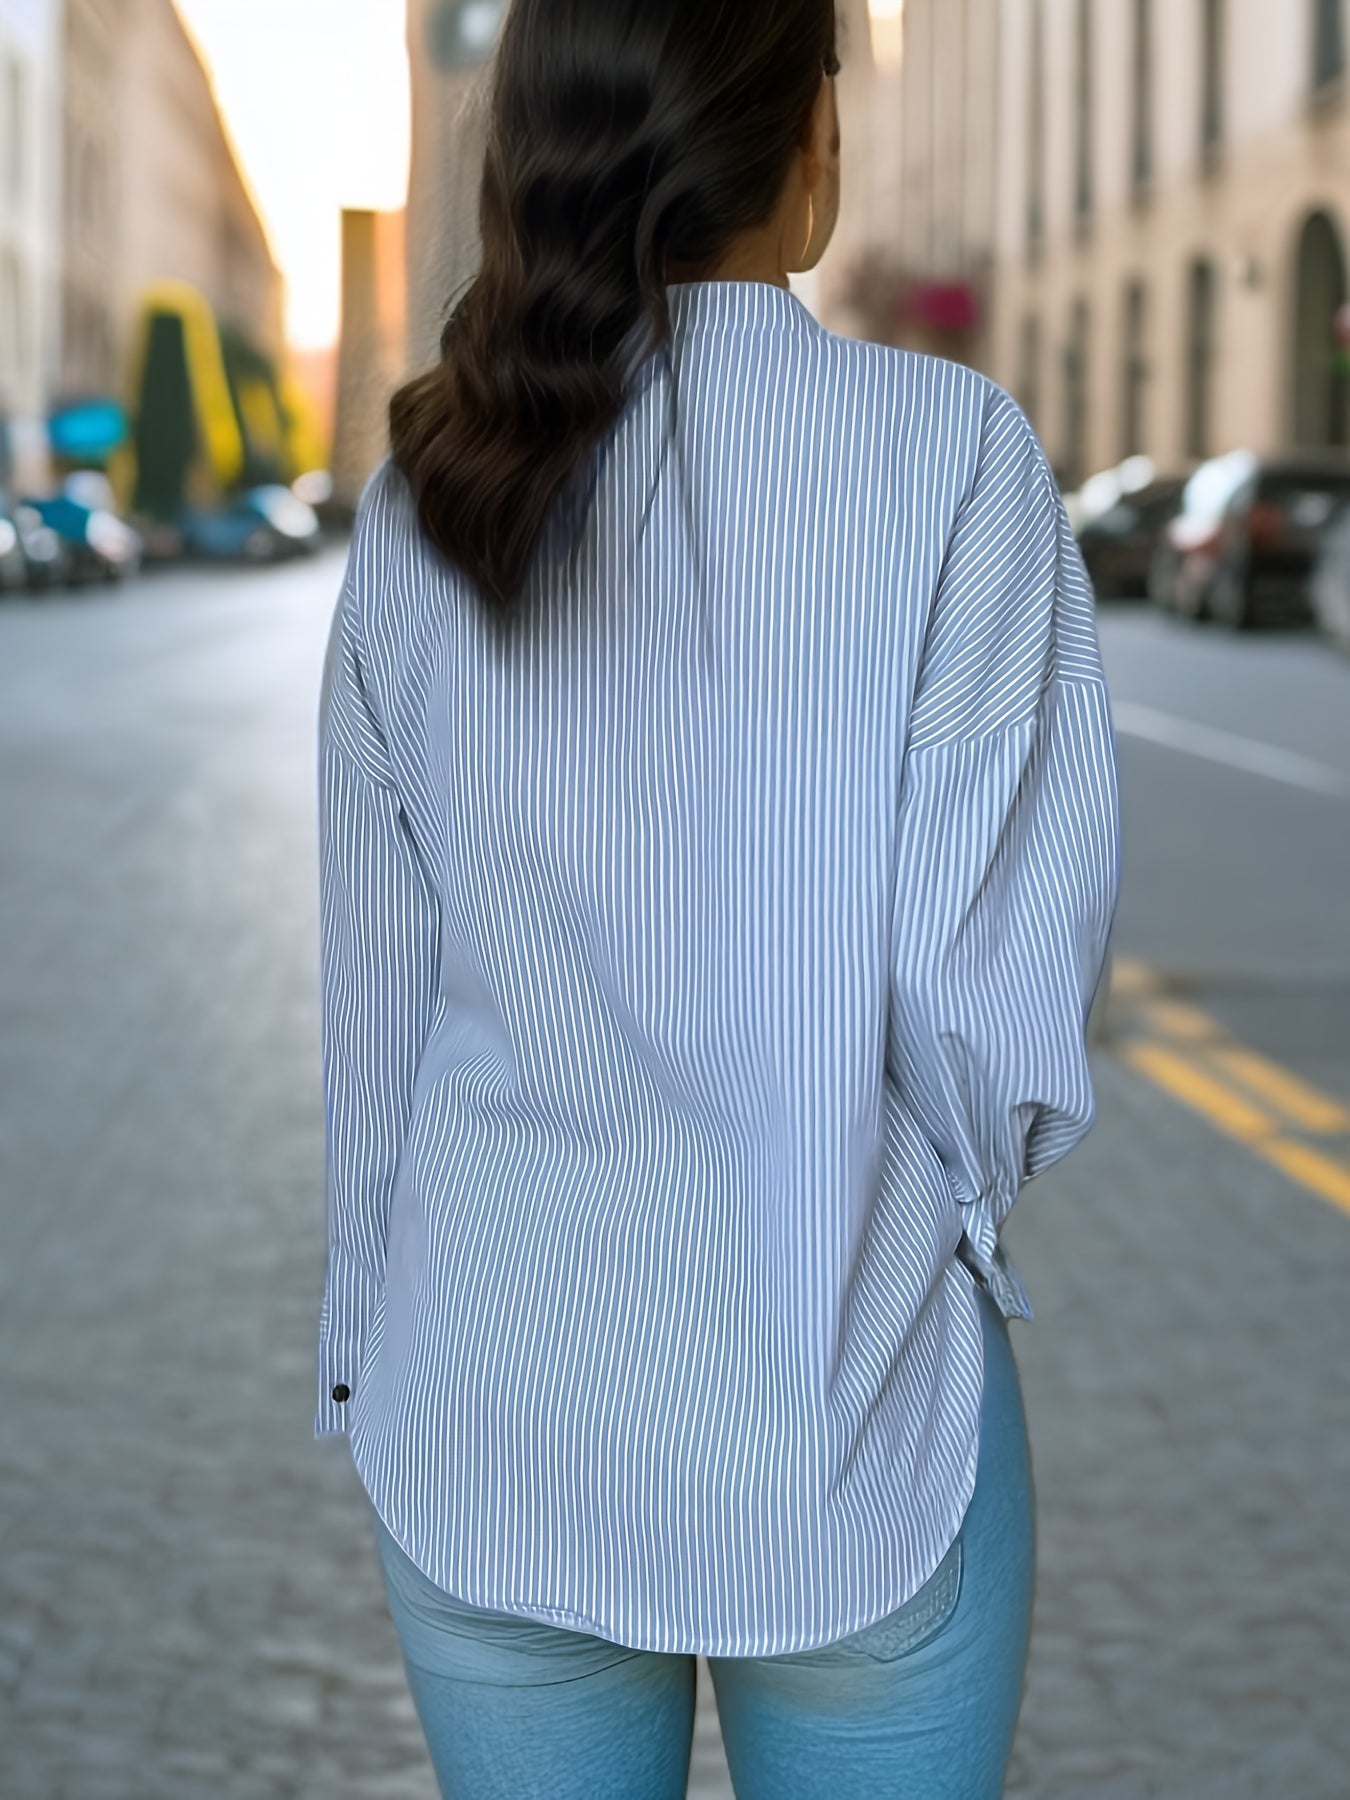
(995,1271)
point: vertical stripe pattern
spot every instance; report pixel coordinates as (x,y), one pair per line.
(706,964)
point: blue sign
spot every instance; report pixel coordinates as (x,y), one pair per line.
(88,431)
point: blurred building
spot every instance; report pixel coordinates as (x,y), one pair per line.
(401,272)
(153,191)
(450,43)
(95,50)
(912,262)
(29,214)
(316,373)
(1173,199)
(372,347)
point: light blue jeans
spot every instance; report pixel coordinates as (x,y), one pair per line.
(920,1706)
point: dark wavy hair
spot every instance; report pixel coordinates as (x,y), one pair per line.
(625,138)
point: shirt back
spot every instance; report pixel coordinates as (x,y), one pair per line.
(706,963)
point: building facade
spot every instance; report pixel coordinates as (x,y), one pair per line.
(401,272)
(29,214)
(1172,205)
(153,191)
(372,345)
(913,261)
(450,44)
(95,44)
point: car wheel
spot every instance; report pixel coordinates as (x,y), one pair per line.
(1232,592)
(1160,585)
(1190,601)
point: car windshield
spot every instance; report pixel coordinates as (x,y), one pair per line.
(1214,483)
(1307,498)
(1157,506)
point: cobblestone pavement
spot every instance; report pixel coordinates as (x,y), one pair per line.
(189,1599)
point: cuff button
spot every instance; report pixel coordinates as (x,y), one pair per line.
(342,1392)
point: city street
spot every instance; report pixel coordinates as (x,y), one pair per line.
(190,1607)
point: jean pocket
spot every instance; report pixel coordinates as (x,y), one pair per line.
(915,1623)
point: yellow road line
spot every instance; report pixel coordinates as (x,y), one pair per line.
(1310,1168)
(1201,1092)
(1185,1079)
(1183,1024)
(1298,1100)
(1130,979)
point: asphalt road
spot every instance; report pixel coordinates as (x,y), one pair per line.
(189,1600)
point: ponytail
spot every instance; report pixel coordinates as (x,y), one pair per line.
(625,136)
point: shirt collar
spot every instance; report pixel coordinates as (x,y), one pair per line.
(738,305)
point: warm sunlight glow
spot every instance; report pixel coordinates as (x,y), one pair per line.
(888,30)
(315,96)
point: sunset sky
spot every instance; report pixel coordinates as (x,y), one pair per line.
(315,95)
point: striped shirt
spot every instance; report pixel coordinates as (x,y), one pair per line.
(706,964)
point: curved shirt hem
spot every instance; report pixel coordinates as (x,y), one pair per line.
(565,1620)
(663,1643)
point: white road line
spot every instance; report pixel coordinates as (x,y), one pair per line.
(1228,748)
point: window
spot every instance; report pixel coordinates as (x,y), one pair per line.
(23,354)
(1212,59)
(1076,396)
(1029,371)
(1083,115)
(1036,134)
(1328,42)
(1321,398)
(1141,160)
(11,315)
(13,115)
(1134,370)
(1199,358)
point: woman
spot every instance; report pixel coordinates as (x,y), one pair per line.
(718,853)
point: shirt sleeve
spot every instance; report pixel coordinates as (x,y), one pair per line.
(1007,867)
(379,944)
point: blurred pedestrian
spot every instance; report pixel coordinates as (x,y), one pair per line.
(718,849)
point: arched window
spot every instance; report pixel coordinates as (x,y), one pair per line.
(1141,110)
(1321,412)
(1036,133)
(1134,369)
(1076,352)
(13,326)
(1212,60)
(1083,114)
(13,113)
(1328,42)
(1029,371)
(1200,312)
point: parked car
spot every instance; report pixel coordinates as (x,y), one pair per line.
(265,524)
(46,559)
(1120,518)
(13,562)
(99,546)
(1243,545)
(1187,552)
(1330,586)
(31,553)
